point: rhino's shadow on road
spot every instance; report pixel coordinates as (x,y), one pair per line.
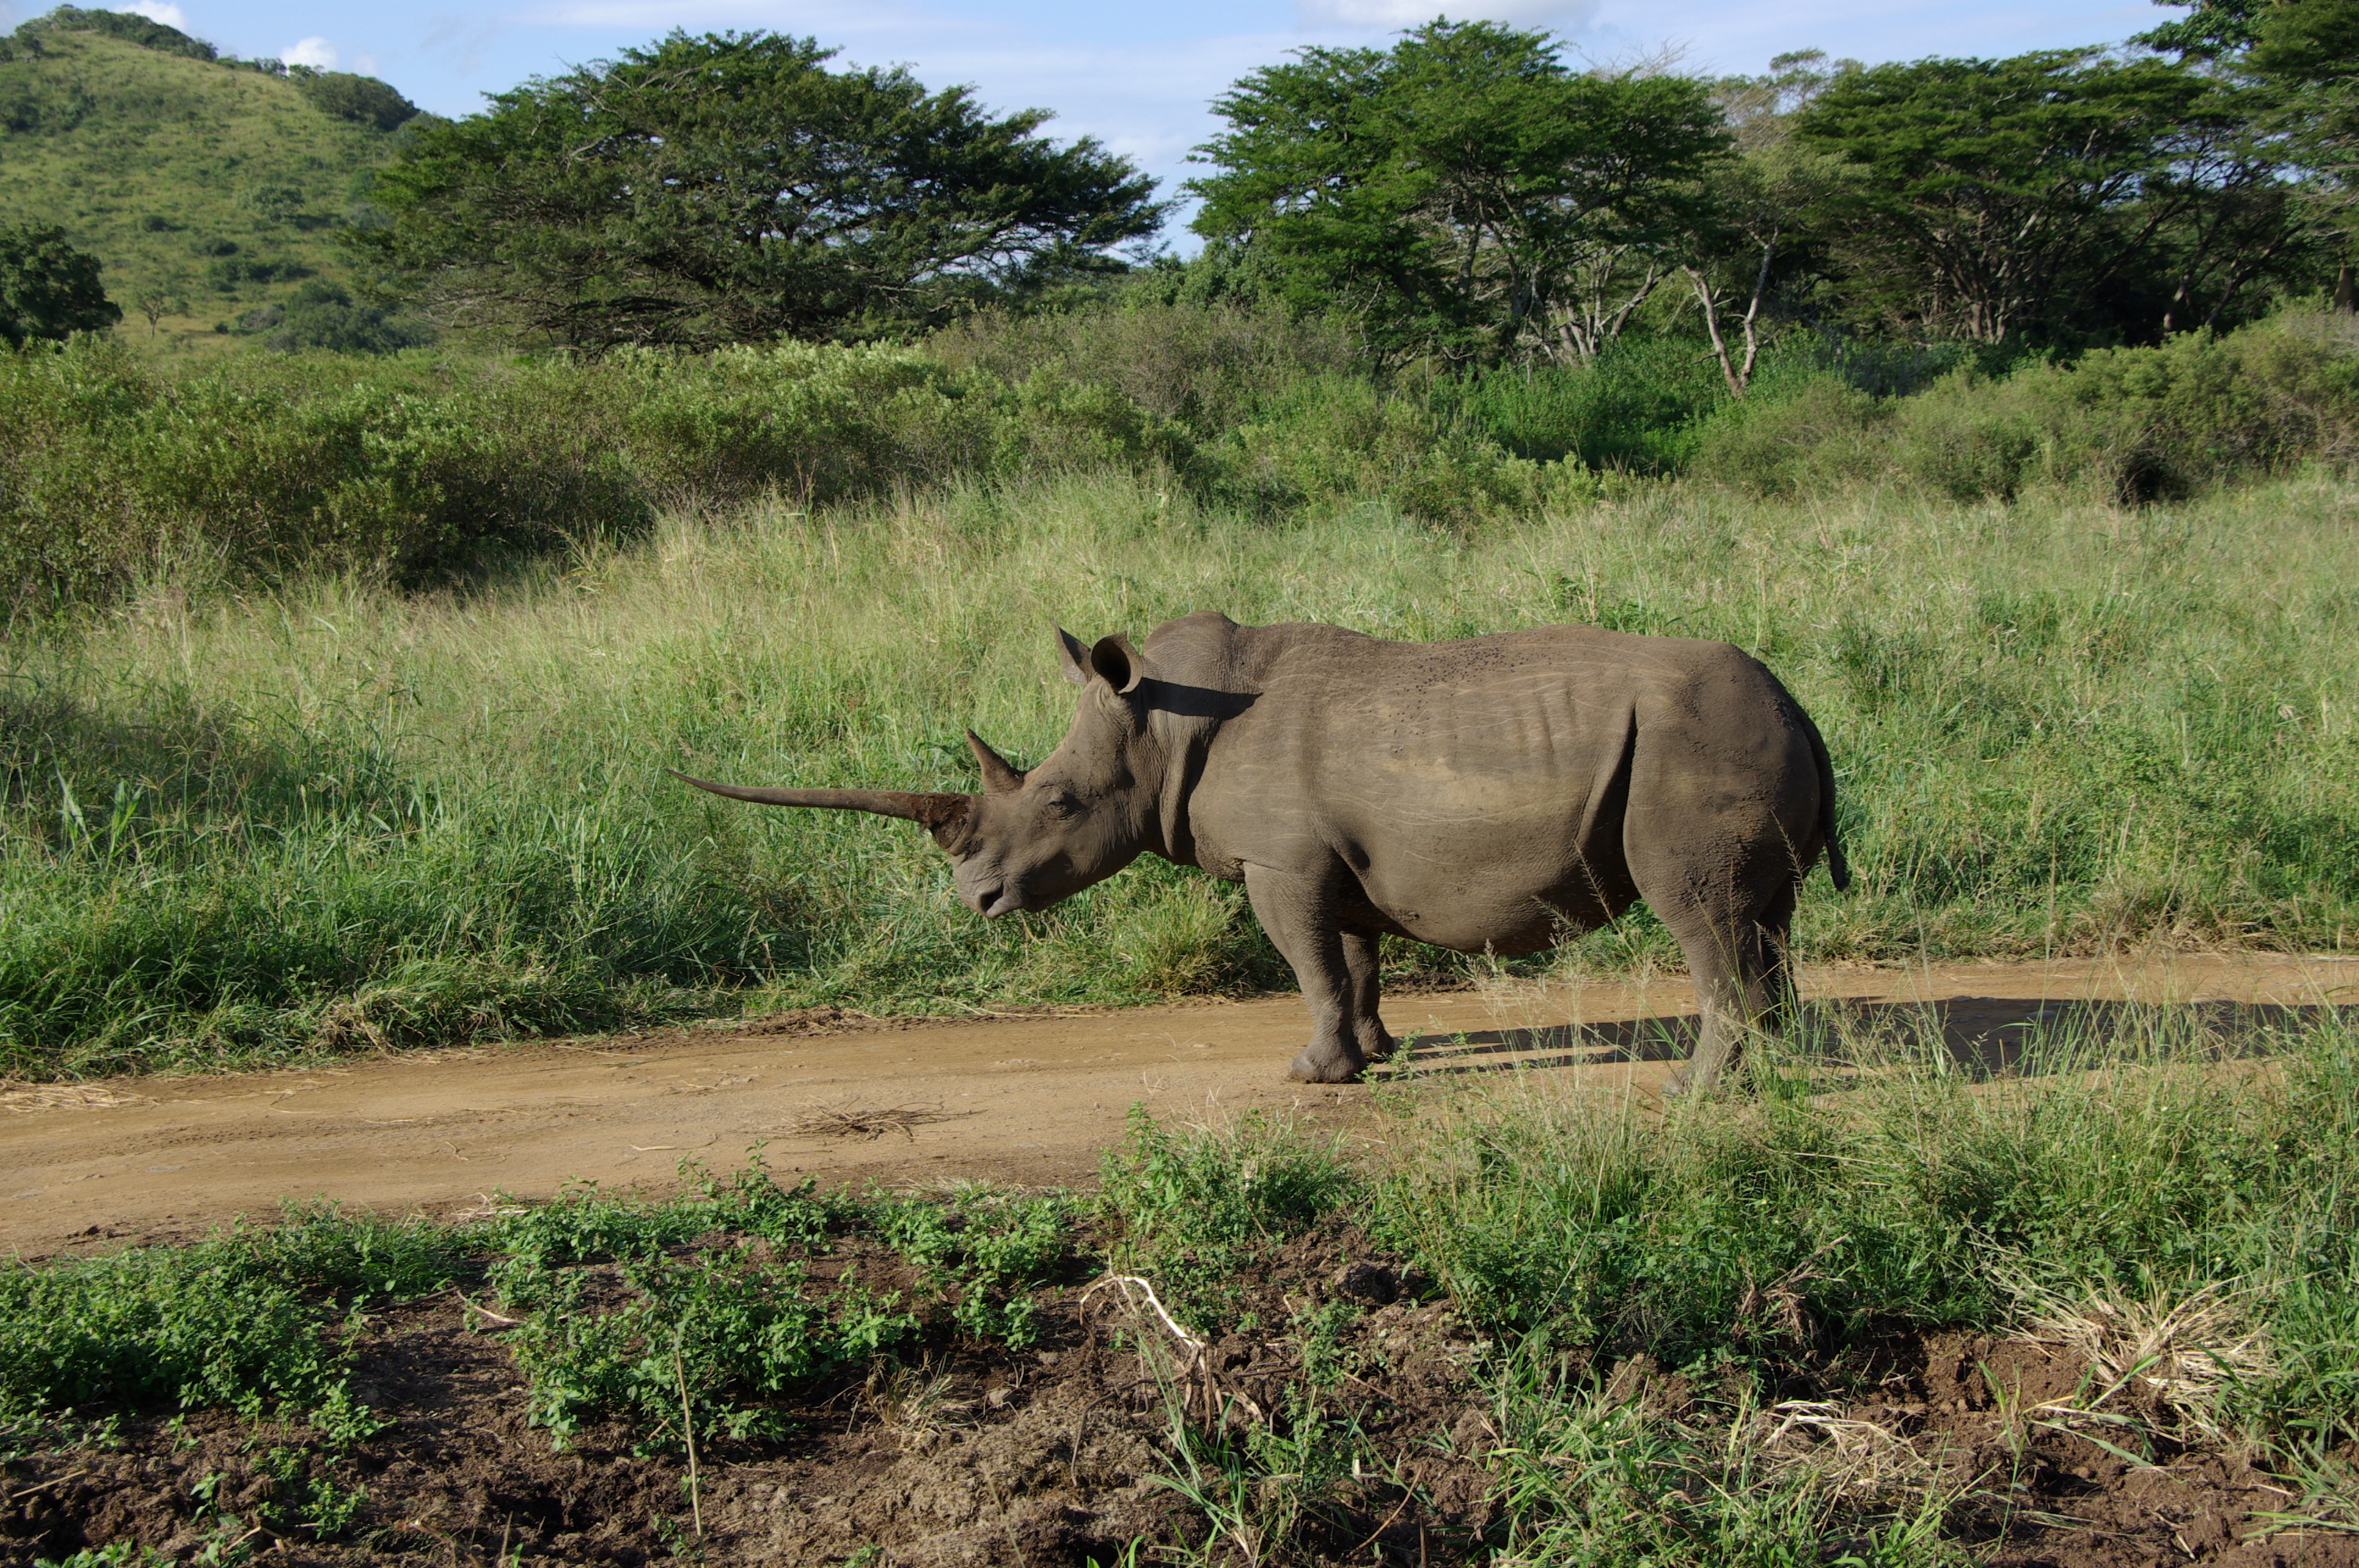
(1985,1036)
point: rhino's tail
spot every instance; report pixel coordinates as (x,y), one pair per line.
(1838,868)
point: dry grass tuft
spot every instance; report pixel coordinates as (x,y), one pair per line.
(851,1119)
(2183,1355)
(24,1100)
(1851,1458)
(909,1404)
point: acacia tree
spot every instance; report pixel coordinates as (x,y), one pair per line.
(730,188)
(1756,235)
(2247,219)
(1989,196)
(2308,52)
(49,289)
(1463,193)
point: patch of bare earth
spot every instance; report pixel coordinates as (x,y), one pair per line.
(1051,1455)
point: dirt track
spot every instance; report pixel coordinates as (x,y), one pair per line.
(1029,1099)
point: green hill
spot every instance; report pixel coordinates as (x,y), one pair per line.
(207,186)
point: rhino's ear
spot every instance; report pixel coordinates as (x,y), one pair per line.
(1116,663)
(1075,657)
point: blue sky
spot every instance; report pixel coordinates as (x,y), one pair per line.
(1136,77)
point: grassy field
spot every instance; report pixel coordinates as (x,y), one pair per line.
(206,189)
(242,826)
(1875,1311)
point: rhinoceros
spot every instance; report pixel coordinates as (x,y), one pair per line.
(1489,794)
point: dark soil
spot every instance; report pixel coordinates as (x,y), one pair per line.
(1052,1455)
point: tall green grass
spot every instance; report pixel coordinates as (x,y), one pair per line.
(339,816)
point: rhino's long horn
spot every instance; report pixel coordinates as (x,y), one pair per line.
(933,810)
(1000,776)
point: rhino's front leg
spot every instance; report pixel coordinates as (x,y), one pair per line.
(1298,912)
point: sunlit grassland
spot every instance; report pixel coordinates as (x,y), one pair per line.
(338,816)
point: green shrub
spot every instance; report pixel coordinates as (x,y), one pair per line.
(2199,408)
(240,1320)
(324,316)
(1823,433)
(1195,1206)
(2126,424)
(416,466)
(1210,367)
(1639,406)
(1341,438)
(363,100)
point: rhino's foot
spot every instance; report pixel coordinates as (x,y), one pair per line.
(1327,1063)
(1686,1083)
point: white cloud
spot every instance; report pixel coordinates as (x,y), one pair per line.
(317,53)
(162,11)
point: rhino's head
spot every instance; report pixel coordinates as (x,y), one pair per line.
(1031,839)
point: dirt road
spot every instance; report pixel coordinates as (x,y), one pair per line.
(1029,1099)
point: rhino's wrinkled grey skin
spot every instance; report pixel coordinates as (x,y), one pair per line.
(1492,795)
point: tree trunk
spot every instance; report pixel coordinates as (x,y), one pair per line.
(2346,293)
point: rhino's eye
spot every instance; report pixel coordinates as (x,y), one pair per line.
(1061,807)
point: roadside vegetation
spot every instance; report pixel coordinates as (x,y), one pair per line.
(1884,1306)
(255,815)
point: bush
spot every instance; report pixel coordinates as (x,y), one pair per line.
(49,289)
(1210,367)
(363,100)
(271,466)
(2132,424)
(1823,432)
(324,316)
(1341,436)
(1638,406)
(2199,408)
(233,271)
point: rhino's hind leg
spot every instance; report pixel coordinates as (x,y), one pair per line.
(1300,916)
(1368,1030)
(1744,986)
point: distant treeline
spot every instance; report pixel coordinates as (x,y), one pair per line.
(1463,198)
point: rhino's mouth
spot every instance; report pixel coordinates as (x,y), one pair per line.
(991,903)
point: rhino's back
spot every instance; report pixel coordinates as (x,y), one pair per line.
(1513,703)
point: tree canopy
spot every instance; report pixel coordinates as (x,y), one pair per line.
(731,186)
(49,289)
(1464,192)
(363,100)
(1991,195)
